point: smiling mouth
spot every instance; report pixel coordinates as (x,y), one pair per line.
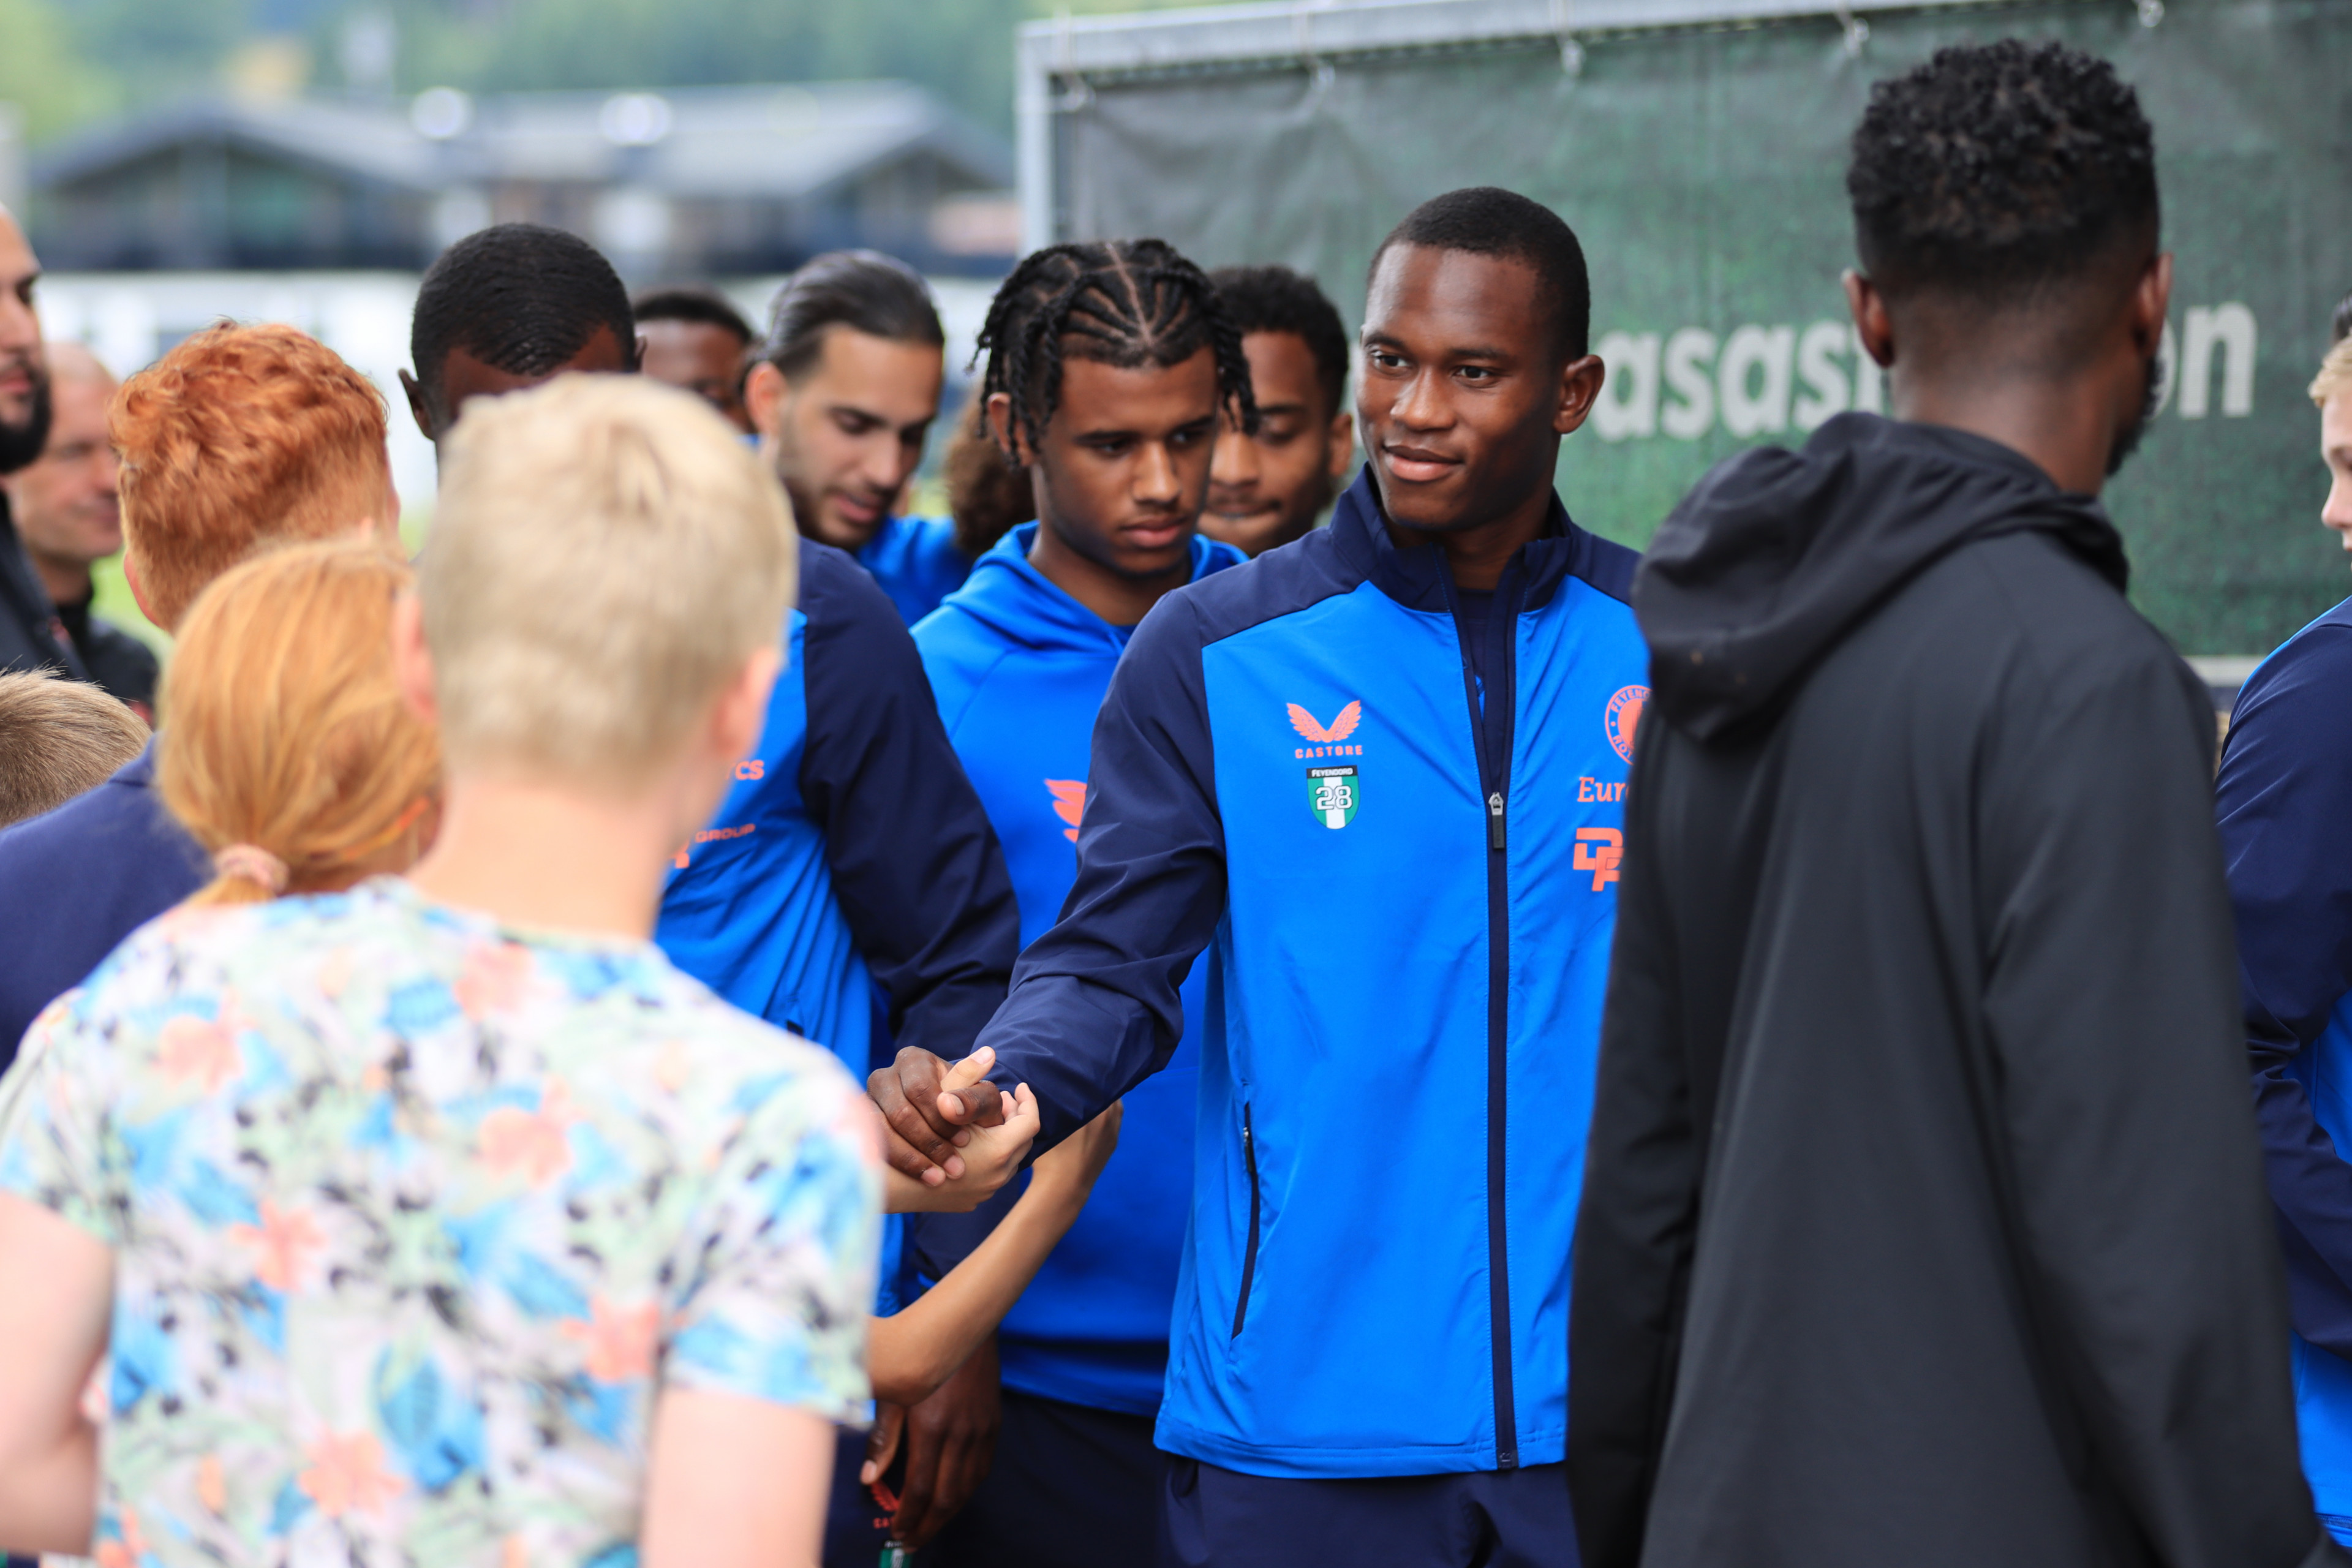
(1413,465)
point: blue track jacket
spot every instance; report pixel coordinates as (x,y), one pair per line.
(2284,797)
(1020,668)
(1406,887)
(917,563)
(851,850)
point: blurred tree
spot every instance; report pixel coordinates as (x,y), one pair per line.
(42,72)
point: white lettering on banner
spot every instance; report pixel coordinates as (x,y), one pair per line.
(1762,381)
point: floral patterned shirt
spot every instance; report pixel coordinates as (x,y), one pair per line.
(413,1215)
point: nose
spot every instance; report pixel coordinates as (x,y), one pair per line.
(887,463)
(2337,513)
(1156,483)
(1419,406)
(20,328)
(1234,466)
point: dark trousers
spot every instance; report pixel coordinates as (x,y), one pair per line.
(1071,1488)
(1496,1519)
(856,1524)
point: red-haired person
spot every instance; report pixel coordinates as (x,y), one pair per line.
(239,435)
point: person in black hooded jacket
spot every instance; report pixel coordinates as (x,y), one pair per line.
(1922,1216)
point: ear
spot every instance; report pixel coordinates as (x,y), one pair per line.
(741,712)
(1009,441)
(1872,324)
(1579,389)
(412,660)
(138,594)
(2151,299)
(1339,446)
(763,398)
(418,408)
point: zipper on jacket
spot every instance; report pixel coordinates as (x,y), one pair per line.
(1490,729)
(1249,1253)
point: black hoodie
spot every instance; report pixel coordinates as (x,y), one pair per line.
(1923,1219)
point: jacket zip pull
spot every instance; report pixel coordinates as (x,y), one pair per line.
(1495,820)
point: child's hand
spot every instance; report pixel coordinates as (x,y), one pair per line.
(991,1158)
(1067,1170)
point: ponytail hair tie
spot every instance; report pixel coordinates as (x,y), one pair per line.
(254,864)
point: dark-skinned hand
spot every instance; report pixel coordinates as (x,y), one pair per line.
(951,1441)
(927,1124)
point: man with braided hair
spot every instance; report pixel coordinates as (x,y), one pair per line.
(1116,451)
(1371,777)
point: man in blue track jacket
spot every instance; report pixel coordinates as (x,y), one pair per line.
(1019,657)
(2285,799)
(1376,776)
(850,889)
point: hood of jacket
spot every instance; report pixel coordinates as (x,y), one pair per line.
(1778,555)
(1019,603)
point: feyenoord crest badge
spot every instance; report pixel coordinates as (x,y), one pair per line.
(1331,792)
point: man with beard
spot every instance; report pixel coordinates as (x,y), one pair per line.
(69,509)
(1923,1220)
(843,396)
(31,637)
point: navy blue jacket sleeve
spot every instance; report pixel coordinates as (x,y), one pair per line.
(1094,1009)
(2285,798)
(917,867)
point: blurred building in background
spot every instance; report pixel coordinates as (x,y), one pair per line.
(699,182)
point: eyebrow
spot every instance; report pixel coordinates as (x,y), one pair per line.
(1466,351)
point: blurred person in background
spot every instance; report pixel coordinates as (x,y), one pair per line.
(692,338)
(510,307)
(57,739)
(1019,657)
(844,394)
(1268,487)
(238,436)
(2340,325)
(31,636)
(2285,804)
(1923,1215)
(69,517)
(987,495)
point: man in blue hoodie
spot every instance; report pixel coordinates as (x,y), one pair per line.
(1019,659)
(843,395)
(1375,777)
(2284,797)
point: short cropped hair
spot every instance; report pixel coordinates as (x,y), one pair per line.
(58,738)
(2334,373)
(240,435)
(691,302)
(1276,299)
(1485,220)
(520,297)
(606,554)
(288,728)
(1993,169)
(864,290)
(2340,328)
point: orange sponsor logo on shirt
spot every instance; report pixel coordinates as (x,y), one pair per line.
(1326,737)
(1600,850)
(1069,803)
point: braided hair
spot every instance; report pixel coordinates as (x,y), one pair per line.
(1123,303)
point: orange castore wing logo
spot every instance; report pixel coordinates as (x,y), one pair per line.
(1338,730)
(1069,803)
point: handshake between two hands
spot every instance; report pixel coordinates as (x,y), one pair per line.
(952,1138)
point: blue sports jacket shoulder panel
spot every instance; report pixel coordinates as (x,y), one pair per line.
(80,878)
(916,865)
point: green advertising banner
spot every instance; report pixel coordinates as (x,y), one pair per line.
(1704,170)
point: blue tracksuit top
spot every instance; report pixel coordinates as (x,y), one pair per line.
(2285,803)
(1020,668)
(1405,884)
(917,563)
(850,846)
